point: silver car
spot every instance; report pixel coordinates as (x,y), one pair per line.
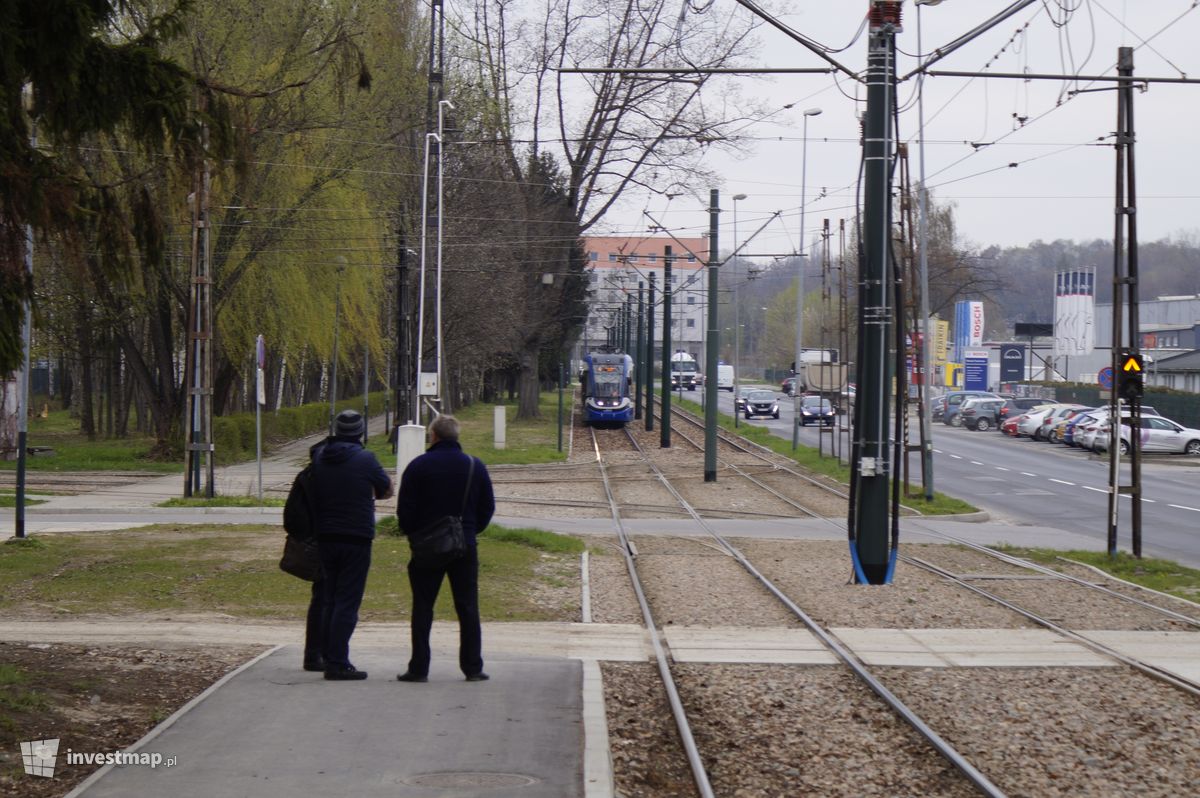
(1158,435)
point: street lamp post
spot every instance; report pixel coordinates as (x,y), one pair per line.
(337,318)
(926,405)
(441,213)
(800,274)
(737,332)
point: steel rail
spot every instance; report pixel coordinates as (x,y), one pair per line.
(1032,566)
(1184,684)
(699,773)
(973,774)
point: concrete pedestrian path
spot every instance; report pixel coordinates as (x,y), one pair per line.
(272,730)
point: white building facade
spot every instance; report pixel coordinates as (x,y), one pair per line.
(616,267)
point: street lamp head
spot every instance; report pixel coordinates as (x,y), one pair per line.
(813,112)
(737,197)
(446,103)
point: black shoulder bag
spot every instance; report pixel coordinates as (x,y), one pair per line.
(443,541)
(300,558)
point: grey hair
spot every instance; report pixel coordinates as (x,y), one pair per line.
(445,427)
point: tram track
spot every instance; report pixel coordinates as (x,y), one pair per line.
(976,777)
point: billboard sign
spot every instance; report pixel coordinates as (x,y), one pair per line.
(975,370)
(1012,362)
(1074,311)
(968,327)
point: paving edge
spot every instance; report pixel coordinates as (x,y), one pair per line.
(597,756)
(171,720)
(980,517)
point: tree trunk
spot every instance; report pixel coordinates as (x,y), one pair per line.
(528,389)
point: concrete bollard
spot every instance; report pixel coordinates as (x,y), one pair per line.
(410,444)
(499,427)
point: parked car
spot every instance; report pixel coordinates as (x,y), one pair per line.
(945,407)
(1158,435)
(981,414)
(1021,404)
(1049,431)
(1074,425)
(788,386)
(1031,422)
(1087,432)
(761,403)
(1009,425)
(816,410)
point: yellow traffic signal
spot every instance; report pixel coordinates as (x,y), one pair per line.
(1133,364)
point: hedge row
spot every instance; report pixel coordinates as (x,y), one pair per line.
(234,435)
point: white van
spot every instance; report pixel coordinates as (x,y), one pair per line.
(725,378)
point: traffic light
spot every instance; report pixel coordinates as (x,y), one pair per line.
(1131,382)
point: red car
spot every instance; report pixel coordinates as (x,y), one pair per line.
(1009,425)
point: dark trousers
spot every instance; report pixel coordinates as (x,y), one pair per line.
(344,566)
(314,623)
(464,585)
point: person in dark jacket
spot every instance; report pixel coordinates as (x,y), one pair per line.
(347,479)
(432,486)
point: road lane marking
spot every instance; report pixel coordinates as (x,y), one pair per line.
(976,462)
(956,457)
(1002,468)
(1062,481)
(1183,507)
(1098,490)
(1027,474)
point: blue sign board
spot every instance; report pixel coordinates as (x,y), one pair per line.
(1012,362)
(975,370)
(1105,378)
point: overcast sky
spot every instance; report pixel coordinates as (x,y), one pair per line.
(1062,186)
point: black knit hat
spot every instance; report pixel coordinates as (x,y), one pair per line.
(349,424)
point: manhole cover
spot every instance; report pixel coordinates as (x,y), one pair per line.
(470,780)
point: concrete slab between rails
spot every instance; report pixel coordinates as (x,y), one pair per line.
(974,648)
(586,641)
(274,730)
(713,644)
(1174,652)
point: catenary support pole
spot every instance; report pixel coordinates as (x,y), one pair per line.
(639,365)
(871,467)
(650,354)
(664,439)
(714,341)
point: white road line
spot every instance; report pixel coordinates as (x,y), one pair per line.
(956,457)
(1182,507)
(1027,474)
(1061,481)
(937,451)
(1098,490)
(976,462)
(1002,468)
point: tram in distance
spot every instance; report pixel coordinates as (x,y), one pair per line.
(606,381)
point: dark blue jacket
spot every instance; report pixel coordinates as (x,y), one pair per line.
(433,484)
(346,480)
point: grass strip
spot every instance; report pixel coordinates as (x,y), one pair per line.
(222,501)
(172,569)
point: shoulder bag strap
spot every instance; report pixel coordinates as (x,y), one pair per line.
(467,492)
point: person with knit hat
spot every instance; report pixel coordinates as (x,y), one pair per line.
(346,479)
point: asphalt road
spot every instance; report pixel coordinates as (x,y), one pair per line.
(1030,482)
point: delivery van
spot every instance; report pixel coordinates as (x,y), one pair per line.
(725,378)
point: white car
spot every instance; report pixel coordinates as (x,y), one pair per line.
(1087,432)
(1031,424)
(1157,435)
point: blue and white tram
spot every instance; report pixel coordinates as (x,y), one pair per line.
(607,386)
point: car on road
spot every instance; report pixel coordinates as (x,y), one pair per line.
(981,414)
(816,410)
(739,401)
(788,386)
(761,403)
(1158,435)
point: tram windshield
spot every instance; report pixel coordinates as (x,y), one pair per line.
(606,384)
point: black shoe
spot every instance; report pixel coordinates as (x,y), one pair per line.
(346,674)
(409,676)
(478,677)
(315,665)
